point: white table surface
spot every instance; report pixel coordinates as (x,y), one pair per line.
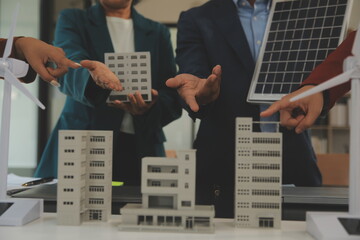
(47,229)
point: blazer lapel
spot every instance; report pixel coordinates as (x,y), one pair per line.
(142,32)
(228,22)
(98,32)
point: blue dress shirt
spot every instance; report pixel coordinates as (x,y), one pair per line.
(253,20)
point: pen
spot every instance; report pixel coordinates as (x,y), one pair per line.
(37,182)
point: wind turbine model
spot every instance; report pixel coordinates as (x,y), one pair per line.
(343,225)
(13,211)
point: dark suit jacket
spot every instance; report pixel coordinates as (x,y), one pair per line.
(209,35)
(331,67)
(84,35)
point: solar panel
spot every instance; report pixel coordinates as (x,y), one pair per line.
(299,35)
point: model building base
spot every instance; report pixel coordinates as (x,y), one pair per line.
(197,220)
(17,212)
(333,225)
(168,198)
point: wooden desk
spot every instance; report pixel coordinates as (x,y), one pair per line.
(47,229)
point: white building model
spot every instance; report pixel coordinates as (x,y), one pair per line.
(257,176)
(168,198)
(84,176)
(134,72)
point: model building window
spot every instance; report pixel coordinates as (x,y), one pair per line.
(98,201)
(149,219)
(97,164)
(155,183)
(187,157)
(97,176)
(186,185)
(186,171)
(155,169)
(99,151)
(96,189)
(266,222)
(186,203)
(177,220)
(97,139)
(265,205)
(95,215)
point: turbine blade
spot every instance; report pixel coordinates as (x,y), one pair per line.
(339,79)
(10,39)
(9,77)
(356,47)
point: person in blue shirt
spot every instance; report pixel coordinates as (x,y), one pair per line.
(111,26)
(217,47)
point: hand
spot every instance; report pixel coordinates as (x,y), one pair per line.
(300,114)
(197,91)
(137,105)
(102,75)
(38,53)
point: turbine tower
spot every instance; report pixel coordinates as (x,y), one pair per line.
(343,225)
(13,212)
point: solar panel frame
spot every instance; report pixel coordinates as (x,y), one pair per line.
(299,42)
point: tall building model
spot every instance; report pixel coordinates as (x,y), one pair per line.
(134,72)
(168,198)
(257,176)
(84,176)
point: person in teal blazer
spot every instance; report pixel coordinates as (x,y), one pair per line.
(83,34)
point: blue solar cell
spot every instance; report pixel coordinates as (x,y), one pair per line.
(277,88)
(259,88)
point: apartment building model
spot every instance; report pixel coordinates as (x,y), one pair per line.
(84,176)
(134,72)
(257,176)
(168,198)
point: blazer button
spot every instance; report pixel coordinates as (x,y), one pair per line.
(217,192)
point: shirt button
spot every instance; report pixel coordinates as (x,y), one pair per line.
(243,3)
(258,42)
(255,18)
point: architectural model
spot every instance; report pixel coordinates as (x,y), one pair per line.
(84,176)
(257,176)
(134,73)
(168,198)
(13,212)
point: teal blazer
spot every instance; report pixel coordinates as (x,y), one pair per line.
(83,34)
